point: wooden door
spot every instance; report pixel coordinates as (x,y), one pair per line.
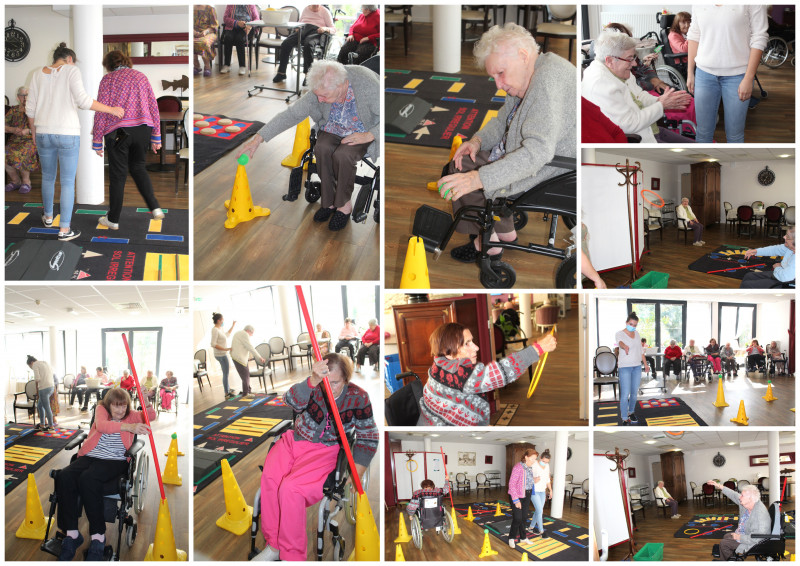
(674,474)
(514,454)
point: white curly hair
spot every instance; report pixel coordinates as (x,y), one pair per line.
(612,43)
(498,37)
(326,75)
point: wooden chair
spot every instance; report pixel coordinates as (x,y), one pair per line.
(482,483)
(463,483)
(744,217)
(660,503)
(697,493)
(201,370)
(582,496)
(773,217)
(280,33)
(182,151)
(709,495)
(264,370)
(473,17)
(301,351)
(652,219)
(555,25)
(29,404)
(636,502)
(730,484)
(279,352)
(394,16)
(65,387)
(730,214)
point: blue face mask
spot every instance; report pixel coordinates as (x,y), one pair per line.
(630,328)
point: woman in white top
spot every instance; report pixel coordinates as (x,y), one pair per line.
(662,493)
(541,491)
(43,375)
(54,97)
(725,46)
(684,212)
(629,361)
(219,344)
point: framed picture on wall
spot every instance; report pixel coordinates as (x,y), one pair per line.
(631,472)
(488,459)
(763,459)
(466,458)
(655,184)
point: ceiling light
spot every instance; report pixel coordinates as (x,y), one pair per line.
(649,441)
(478,438)
(435,435)
(678,150)
(731,443)
(711,160)
(784,155)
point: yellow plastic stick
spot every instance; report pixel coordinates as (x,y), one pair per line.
(537,373)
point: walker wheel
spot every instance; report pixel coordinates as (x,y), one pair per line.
(498,275)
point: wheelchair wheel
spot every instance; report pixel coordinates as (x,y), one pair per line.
(376,216)
(570,221)
(313,191)
(498,275)
(775,53)
(338,549)
(140,483)
(520,219)
(671,76)
(448,532)
(566,274)
(416,531)
(351,501)
(130,534)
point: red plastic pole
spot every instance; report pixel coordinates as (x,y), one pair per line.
(735,268)
(446,477)
(709,532)
(326,386)
(146,418)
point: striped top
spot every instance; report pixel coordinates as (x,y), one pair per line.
(109,447)
(131,90)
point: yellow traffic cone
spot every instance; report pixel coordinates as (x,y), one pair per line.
(34,525)
(486,549)
(741,418)
(171,475)
(720,402)
(415,270)
(175,442)
(456,530)
(402,535)
(769,396)
(302,143)
(368,542)
(398,554)
(524,557)
(470,516)
(163,548)
(240,206)
(238,514)
(457,141)
(498,513)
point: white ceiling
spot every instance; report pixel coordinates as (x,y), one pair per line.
(607,440)
(695,155)
(495,436)
(89,304)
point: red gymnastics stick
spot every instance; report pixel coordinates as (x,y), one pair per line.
(326,386)
(735,268)
(146,418)
(711,531)
(446,477)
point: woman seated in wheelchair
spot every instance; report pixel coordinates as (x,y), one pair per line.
(429,489)
(677,34)
(168,390)
(297,466)
(509,155)
(454,394)
(100,459)
(755,357)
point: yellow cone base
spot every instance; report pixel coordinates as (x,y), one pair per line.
(301,144)
(720,402)
(486,550)
(456,530)
(769,396)
(470,516)
(238,514)
(402,535)
(180,555)
(498,513)
(163,548)
(415,269)
(173,480)
(741,418)
(368,542)
(34,525)
(524,557)
(398,554)
(240,206)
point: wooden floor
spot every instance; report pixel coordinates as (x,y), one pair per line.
(177,496)
(287,245)
(213,543)
(655,528)
(410,168)
(701,396)
(467,545)
(669,254)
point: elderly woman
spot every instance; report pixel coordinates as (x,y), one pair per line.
(728,359)
(344,103)
(509,155)
(126,140)
(725,47)
(672,359)
(205,38)
(346,334)
(167,390)
(317,20)
(643,71)
(520,490)
(755,356)
(237,33)
(713,351)
(363,37)
(301,460)
(241,350)
(21,156)
(782,273)
(776,356)
(684,212)
(609,83)
(454,394)
(662,493)
(370,345)
(677,34)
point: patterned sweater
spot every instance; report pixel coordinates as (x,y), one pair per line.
(417,496)
(516,483)
(315,424)
(130,89)
(453,394)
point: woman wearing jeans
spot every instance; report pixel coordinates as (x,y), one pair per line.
(725,46)
(542,490)
(43,375)
(54,97)
(219,344)
(629,361)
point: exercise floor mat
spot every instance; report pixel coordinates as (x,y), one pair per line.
(460,105)
(210,147)
(234,428)
(705,527)
(563,541)
(28,449)
(728,261)
(671,411)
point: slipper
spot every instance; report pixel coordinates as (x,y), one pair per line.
(338,221)
(323,214)
(24,189)
(197,71)
(12,187)
(468,254)
(206,72)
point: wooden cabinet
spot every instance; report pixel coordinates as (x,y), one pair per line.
(674,475)
(416,322)
(704,199)
(514,454)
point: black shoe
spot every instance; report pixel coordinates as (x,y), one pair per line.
(279,78)
(626,423)
(96,551)
(71,235)
(323,214)
(305,81)
(69,546)
(633,418)
(338,221)
(468,254)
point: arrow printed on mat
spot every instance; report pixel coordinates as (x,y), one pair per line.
(422,132)
(89,253)
(438,109)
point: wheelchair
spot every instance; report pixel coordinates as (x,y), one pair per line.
(699,367)
(355,344)
(336,491)
(368,193)
(123,496)
(431,515)
(771,546)
(755,367)
(774,364)
(780,45)
(555,197)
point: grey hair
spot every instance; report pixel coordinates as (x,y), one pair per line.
(372,321)
(508,35)
(790,231)
(20,89)
(685,199)
(370,7)
(249,328)
(672,342)
(754,489)
(326,75)
(612,44)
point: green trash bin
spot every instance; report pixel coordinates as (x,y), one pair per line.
(652,280)
(650,552)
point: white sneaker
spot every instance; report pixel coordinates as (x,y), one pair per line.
(106,222)
(702,242)
(511,543)
(675,517)
(698,244)
(158,214)
(225,69)
(242,71)
(269,554)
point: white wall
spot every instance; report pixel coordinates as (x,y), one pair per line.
(772,323)
(738,184)
(668,174)
(451,450)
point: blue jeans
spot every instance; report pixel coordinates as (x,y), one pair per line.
(708,89)
(44,405)
(57,151)
(629,380)
(223,363)
(538,499)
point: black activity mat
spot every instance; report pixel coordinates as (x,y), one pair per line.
(27,449)
(671,411)
(728,261)
(704,527)
(208,148)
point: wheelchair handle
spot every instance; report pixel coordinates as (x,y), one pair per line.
(564,162)
(406,374)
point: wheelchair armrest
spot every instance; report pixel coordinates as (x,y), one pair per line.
(634,138)
(406,374)
(768,536)
(135,448)
(564,162)
(674,55)
(281,427)
(76,440)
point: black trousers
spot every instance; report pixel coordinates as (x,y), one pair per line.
(235,37)
(651,361)
(519,517)
(371,351)
(244,373)
(84,478)
(80,393)
(363,52)
(674,365)
(308,37)
(341,344)
(763,280)
(127,151)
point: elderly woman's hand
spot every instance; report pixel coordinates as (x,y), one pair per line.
(358,138)
(470,147)
(674,100)
(351,38)
(155,146)
(318,372)
(249,147)
(548,343)
(650,58)
(453,187)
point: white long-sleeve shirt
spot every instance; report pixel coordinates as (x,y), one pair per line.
(54,99)
(725,36)
(43,374)
(241,347)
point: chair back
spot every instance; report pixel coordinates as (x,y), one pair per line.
(585,486)
(200,356)
(461,478)
(741,483)
(764,483)
(757,204)
(708,489)
(730,485)
(480,479)
(745,213)
(605,362)
(547,316)
(168,103)
(373,64)
(561,12)
(788,216)
(782,205)
(277,344)
(659,501)
(30,390)
(69,379)
(568,478)
(728,206)
(602,349)
(773,214)
(264,351)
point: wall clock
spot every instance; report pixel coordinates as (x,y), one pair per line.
(18,44)
(719,460)
(766,177)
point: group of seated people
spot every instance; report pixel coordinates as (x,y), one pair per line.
(717,359)
(166,388)
(370,342)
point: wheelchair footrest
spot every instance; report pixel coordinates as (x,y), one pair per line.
(432,225)
(53,545)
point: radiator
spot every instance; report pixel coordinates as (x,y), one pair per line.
(639,24)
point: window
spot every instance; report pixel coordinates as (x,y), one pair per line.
(736,324)
(660,321)
(145,344)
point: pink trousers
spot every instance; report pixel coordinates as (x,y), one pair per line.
(166,399)
(715,363)
(294,473)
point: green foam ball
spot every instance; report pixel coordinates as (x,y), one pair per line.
(243,159)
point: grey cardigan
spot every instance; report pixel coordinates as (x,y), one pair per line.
(366,87)
(758,523)
(543,126)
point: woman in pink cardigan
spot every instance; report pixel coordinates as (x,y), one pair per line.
(677,34)
(520,488)
(101,458)
(363,36)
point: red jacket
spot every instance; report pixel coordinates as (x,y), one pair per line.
(128,383)
(104,425)
(596,127)
(372,336)
(369,26)
(673,352)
